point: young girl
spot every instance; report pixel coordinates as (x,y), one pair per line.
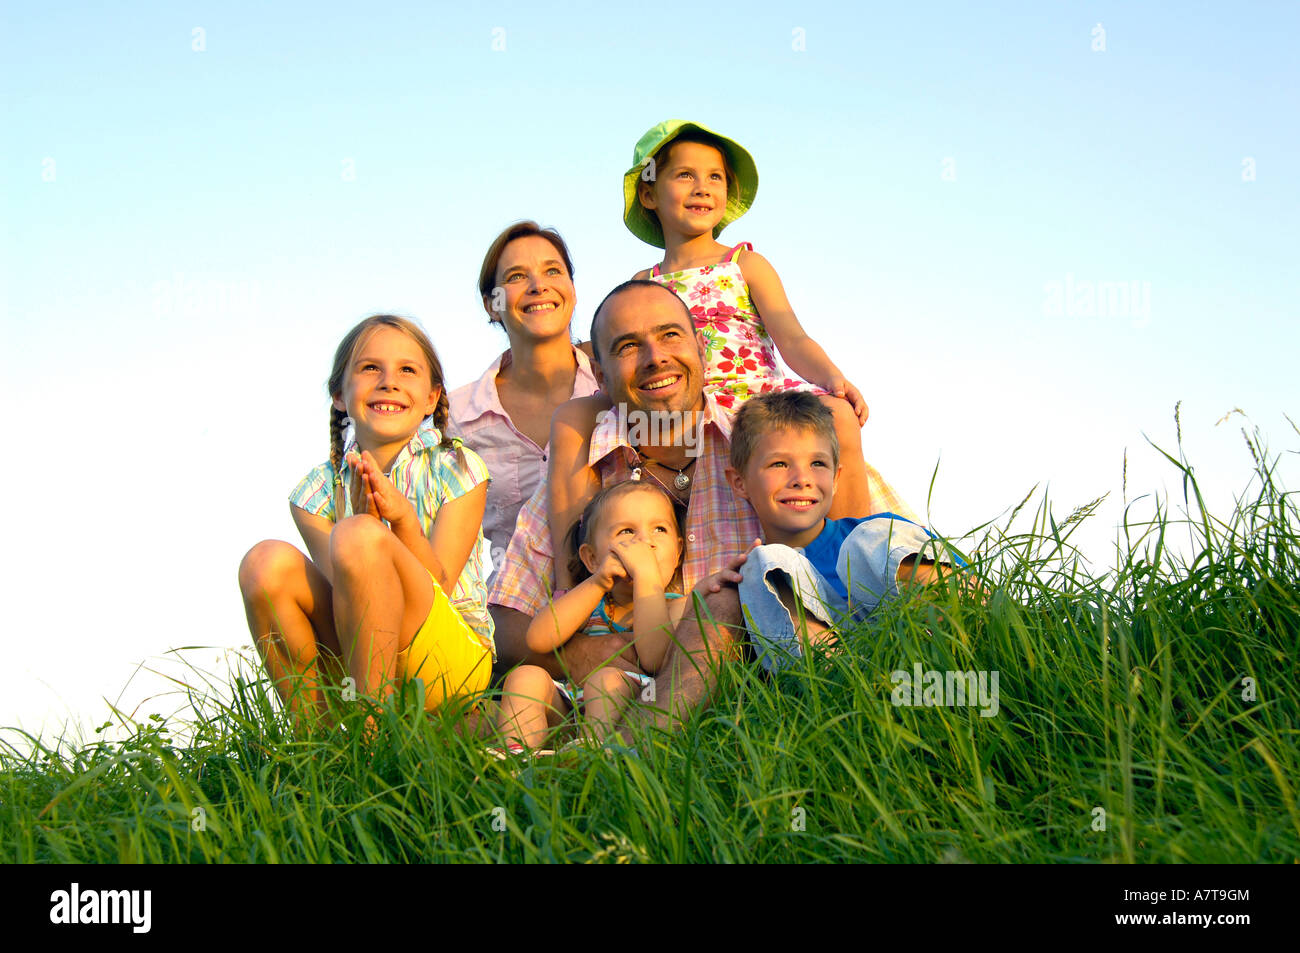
(396,591)
(686,184)
(630,550)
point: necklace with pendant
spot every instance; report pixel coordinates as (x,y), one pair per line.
(681,481)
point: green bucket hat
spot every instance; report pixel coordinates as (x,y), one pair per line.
(740,194)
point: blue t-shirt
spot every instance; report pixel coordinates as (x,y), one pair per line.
(824,551)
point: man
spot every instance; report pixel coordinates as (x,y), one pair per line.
(665,426)
(662,423)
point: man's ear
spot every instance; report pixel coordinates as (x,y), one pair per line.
(737,482)
(596,356)
(593,359)
(588,557)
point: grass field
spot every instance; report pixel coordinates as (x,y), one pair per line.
(1146,716)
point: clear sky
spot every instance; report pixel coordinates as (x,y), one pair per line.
(200,199)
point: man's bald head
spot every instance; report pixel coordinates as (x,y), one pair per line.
(651,357)
(622,289)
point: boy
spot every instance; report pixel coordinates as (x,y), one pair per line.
(811,570)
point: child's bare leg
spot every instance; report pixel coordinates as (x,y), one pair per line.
(706,638)
(570,480)
(853,494)
(530,706)
(913,572)
(382,595)
(290,615)
(479,723)
(812,630)
(605,694)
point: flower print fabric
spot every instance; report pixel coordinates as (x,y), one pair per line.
(740,358)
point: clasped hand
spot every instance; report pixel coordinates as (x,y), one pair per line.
(379,497)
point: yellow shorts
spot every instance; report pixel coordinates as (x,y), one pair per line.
(445,654)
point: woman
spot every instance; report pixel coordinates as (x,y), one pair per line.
(526,284)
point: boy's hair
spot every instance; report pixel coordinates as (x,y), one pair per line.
(487,275)
(343,357)
(787,409)
(702,138)
(594,512)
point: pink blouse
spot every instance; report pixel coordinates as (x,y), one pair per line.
(515,463)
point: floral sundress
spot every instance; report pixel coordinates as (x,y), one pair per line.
(740,358)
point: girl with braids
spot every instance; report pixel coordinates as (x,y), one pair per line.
(394,588)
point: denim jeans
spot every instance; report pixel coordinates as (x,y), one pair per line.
(868,567)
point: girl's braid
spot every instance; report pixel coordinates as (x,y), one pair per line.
(336,438)
(441,414)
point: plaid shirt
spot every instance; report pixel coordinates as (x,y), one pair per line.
(515,462)
(885,499)
(719,525)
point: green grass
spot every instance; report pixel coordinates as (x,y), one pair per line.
(1123,693)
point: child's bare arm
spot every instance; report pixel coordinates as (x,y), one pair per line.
(803,355)
(676,608)
(560,621)
(315,532)
(454,535)
(653,636)
(652,622)
(570,480)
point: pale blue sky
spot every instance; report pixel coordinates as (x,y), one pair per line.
(183,246)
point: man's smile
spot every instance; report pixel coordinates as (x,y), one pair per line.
(661,383)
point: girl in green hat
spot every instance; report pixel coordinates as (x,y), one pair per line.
(686,184)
